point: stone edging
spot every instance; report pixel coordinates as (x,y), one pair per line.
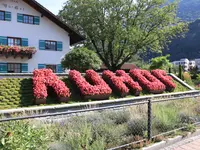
(171,141)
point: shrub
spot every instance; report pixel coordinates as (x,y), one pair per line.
(161,62)
(166,117)
(22,135)
(118,117)
(137,126)
(81,59)
(77,134)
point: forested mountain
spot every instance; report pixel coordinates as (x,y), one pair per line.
(189,10)
(188,47)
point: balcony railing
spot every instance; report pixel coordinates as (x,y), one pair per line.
(17,51)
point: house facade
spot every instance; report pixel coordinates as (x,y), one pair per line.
(185,63)
(26,23)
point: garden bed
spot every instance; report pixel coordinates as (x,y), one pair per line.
(17,93)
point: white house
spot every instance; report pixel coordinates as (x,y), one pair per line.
(197,62)
(26,23)
(183,62)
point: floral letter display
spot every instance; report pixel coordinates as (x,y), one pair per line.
(97,90)
(94,86)
(44,78)
(148,81)
(122,83)
(164,78)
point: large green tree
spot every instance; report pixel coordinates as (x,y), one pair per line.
(119,29)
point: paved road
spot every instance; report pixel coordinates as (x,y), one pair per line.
(189,144)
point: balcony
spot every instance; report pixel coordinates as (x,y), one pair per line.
(17,51)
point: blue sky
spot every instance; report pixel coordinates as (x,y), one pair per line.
(53,5)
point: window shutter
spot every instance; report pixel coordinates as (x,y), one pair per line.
(42,45)
(59,46)
(3,68)
(24,68)
(24,42)
(3,40)
(19,18)
(36,20)
(59,68)
(41,66)
(8,16)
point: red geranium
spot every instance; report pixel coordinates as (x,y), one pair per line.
(148,81)
(164,78)
(98,87)
(45,77)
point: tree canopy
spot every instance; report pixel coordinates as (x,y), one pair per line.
(161,62)
(81,59)
(119,29)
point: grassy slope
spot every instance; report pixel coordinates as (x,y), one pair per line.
(16,93)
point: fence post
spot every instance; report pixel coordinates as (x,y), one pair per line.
(149,119)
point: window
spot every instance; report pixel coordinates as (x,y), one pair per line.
(51,45)
(14,68)
(2,15)
(52,67)
(14,41)
(28,19)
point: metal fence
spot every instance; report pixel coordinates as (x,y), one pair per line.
(146,119)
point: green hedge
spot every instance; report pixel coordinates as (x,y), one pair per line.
(15,93)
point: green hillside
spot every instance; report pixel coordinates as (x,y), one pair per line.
(188,47)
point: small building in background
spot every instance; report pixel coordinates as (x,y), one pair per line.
(197,63)
(183,62)
(126,67)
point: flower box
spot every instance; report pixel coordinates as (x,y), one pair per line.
(64,99)
(97,97)
(15,51)
(40,101)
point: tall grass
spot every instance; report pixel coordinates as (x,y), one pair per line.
(97,130)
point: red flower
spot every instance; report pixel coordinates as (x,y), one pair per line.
(98,86)
(17,49)
(147,81)
(45,77)
(164,78)
(116,82)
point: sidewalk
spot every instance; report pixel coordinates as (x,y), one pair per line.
(189,144)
